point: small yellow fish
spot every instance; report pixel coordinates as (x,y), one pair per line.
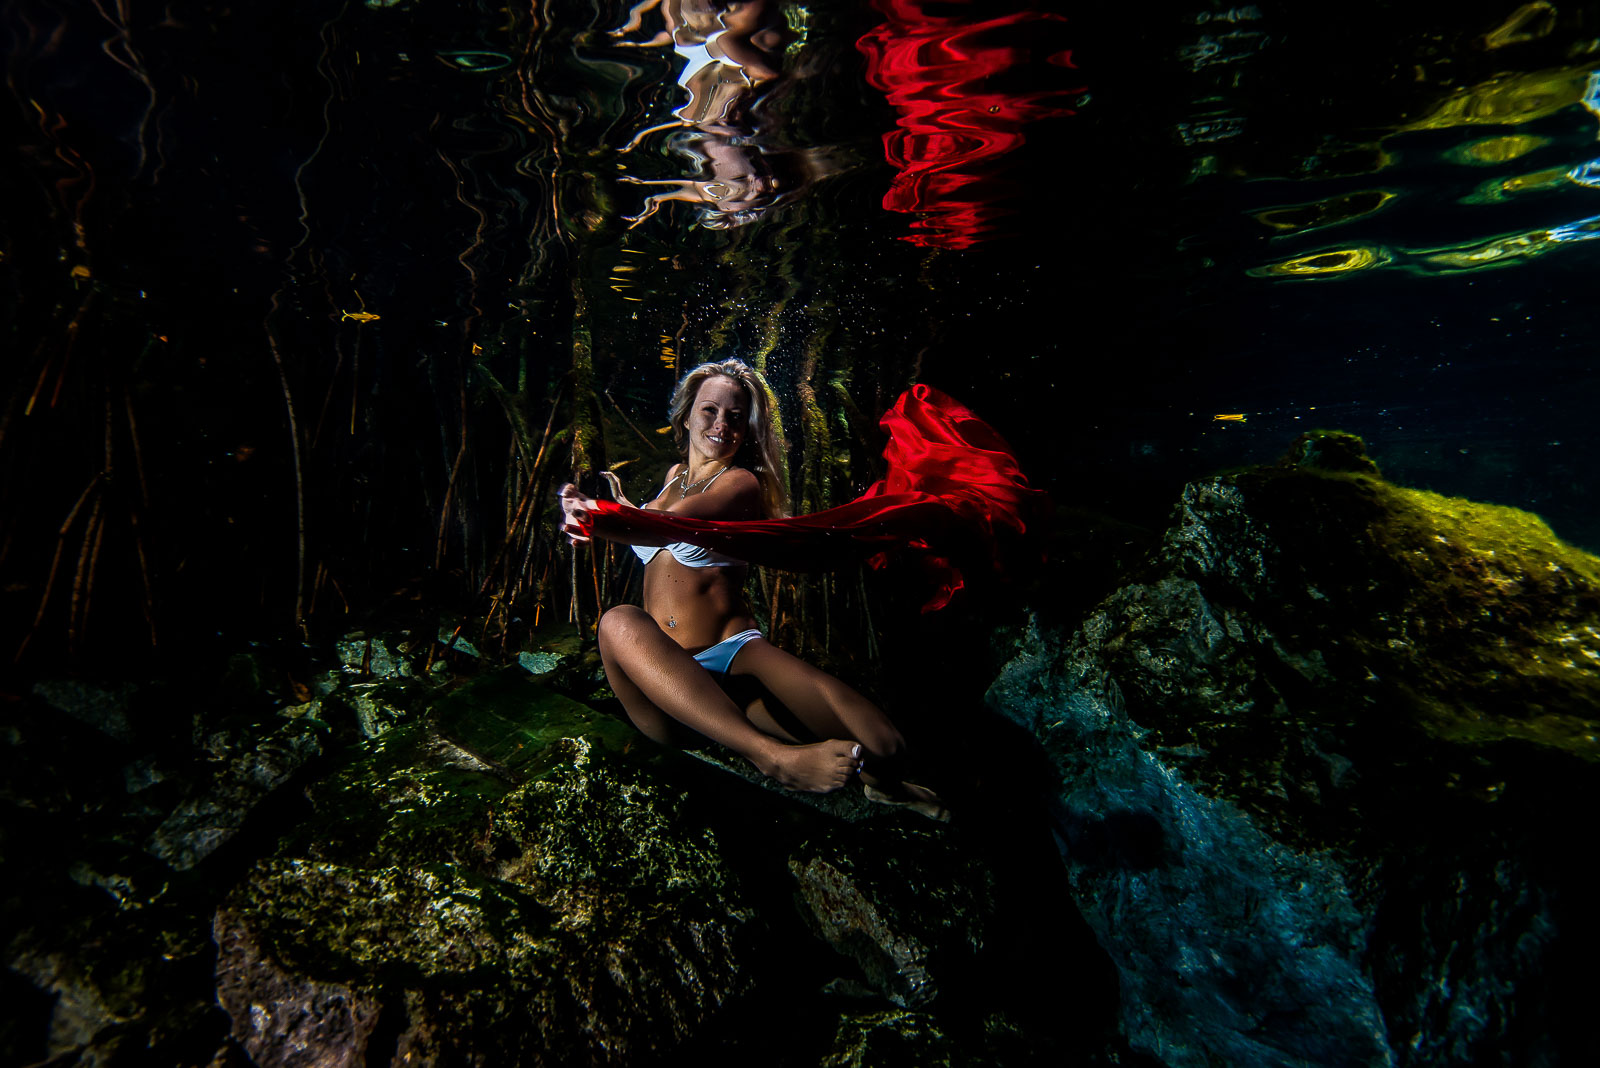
(360,316)
(1235,417)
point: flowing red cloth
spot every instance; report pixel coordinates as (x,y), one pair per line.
(952,491)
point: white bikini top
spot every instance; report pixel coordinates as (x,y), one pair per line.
(686,554)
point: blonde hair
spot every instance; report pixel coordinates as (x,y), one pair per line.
(763,448)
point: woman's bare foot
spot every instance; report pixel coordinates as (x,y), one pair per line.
(819,769)
(918,799)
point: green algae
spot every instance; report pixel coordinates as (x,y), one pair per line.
(509,721)
(427,791)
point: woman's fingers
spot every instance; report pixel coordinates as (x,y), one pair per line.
(616,488)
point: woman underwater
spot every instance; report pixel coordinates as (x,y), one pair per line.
(670,661)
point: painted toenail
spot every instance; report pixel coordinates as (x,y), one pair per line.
(856,752)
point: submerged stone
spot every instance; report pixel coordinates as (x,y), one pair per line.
(104,708)
(895,1039)
(902,902)
(199,826)
(1306,766)
(1331,450)
(378,656)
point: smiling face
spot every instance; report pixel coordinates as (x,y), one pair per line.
(718,420)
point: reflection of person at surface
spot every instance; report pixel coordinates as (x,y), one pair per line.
(730,51)
(744,35)
(743,185)
(669,661)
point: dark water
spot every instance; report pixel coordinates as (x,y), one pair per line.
(307,304)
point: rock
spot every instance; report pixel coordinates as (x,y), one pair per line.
(909,1039)
(104,708)
(81,1011)
(198,827)
(539,662)
(375,656)
(283,1020)
(901,902)
(1306,766)
(1331,450)
(488,885)
(377,706)
(896,1039)
(457,642)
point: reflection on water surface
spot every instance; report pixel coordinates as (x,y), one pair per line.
(512,227)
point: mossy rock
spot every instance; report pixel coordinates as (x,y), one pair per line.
(1331,450)
(1475,615)
(574,917)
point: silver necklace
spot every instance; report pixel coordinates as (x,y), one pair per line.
(684,485)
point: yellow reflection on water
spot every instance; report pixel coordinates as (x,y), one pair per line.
(1508,99)
(1297,218)
(1326,262)
(1528,22)
(1491,150)
(1499,252)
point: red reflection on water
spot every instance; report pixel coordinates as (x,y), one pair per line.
(939,65)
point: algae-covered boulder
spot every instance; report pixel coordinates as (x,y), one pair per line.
(1313,770)
(484,890)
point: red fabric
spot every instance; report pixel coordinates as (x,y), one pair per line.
(941,66)
(952,491)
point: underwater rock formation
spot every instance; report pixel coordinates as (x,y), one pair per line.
(416,867)
(1308,767)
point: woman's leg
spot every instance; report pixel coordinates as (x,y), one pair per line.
(829,708)
(659,683)
(825,706)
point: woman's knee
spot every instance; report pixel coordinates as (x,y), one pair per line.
(620,624)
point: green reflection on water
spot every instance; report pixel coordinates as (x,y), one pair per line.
(1299,218)
(1498,190)
(477,62)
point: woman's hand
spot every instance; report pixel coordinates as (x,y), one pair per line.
(575,514)
(616,488)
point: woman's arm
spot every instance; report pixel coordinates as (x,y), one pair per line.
(734,495)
